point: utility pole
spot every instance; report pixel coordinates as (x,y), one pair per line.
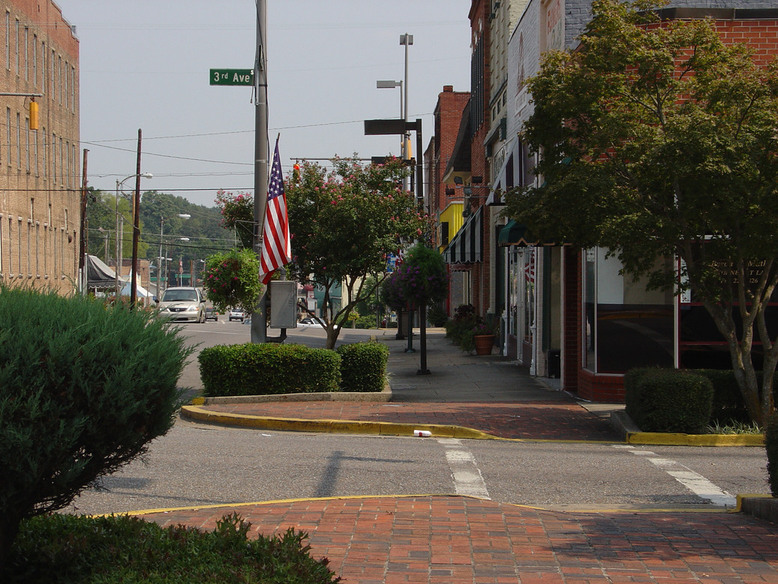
(259,316)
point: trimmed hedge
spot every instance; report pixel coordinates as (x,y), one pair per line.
(269,368)
(771,444)
(363,366)
(668,400)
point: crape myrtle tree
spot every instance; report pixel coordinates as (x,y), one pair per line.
(658,140)
(344,224)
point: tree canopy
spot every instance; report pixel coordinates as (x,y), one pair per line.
(659,140)
(344,224)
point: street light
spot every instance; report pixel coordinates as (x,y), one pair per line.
(406,40)
(120,228)
(390,84)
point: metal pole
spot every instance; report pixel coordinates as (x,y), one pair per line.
(135,231)
(159,259)
(118,264)
(258,317)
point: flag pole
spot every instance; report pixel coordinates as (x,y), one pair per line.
(259,317)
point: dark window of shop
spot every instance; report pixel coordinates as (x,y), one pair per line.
(624,324)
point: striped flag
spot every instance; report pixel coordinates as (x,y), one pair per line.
(276,245)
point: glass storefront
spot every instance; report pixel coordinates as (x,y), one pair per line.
(625,325)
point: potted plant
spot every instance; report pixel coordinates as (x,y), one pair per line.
(483,338)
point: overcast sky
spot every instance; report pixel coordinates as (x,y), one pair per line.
(145,65)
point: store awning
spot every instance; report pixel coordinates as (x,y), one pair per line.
(465,247)
(515,233)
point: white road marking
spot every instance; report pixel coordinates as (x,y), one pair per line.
(464,470)
(693,481)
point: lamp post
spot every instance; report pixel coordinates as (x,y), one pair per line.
(120,229)
(390,84)
(406,40)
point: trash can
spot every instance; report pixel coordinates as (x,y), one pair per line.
(554,363)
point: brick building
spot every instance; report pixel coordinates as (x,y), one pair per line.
(40,213)
(555,293)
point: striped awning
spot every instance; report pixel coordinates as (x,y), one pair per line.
(465,247)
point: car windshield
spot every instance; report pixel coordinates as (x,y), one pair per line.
(178,295)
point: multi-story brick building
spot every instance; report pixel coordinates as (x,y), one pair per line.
(570,313)
(40,202)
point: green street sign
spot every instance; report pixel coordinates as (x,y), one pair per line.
(232,77)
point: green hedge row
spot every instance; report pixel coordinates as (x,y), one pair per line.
(363,366)
(668,400)
(272,368)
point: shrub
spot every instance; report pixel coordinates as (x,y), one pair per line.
(268,368)
(771,444)
(436,315)
(84,388)
(363,366)
(669,400)
(728,404)
(110,550)
(368,321)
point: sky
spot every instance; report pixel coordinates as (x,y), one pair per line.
(145,65)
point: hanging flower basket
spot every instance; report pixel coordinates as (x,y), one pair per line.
(483,344)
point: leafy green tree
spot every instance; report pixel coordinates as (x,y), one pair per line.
(658,140)
(344,224)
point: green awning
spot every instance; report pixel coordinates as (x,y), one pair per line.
(515,233)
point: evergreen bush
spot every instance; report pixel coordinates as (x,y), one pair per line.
(128,550)
(363,366)
(83,388)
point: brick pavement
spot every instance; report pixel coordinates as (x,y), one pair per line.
(536,420)
(457,540)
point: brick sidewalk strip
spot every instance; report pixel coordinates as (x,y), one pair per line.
(457,540)
(537,421)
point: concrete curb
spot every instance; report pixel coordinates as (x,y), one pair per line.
(199,414)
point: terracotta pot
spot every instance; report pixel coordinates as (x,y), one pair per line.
(483,344)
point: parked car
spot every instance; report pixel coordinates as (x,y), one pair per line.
(182,304)
(211,313)
(237,314)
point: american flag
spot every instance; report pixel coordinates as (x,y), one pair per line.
(276,245)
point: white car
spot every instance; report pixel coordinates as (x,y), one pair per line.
(182,304)
(236,314)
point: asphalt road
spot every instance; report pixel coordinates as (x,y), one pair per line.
(198,465)
(207,465)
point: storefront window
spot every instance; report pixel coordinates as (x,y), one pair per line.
(625,325)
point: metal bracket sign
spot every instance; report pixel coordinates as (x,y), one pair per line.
(232,77)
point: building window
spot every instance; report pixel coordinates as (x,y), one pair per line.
(624,324)
(8,133)
(18,52)
(8,40)
(54,158)
(35,60)
(28,145)
(43,68)
(18,140)
(26,54)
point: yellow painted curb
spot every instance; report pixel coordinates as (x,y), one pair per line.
(669,439)
(197,413)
